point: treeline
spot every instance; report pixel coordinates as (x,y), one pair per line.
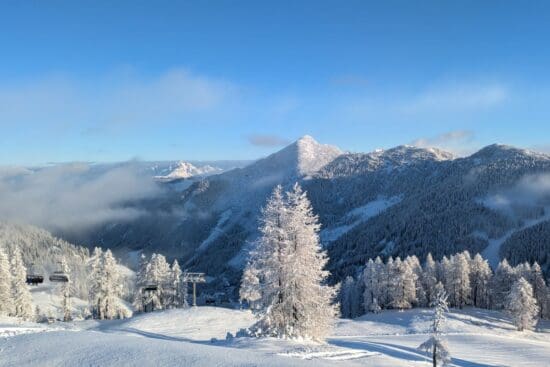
(402,284)
(159,286)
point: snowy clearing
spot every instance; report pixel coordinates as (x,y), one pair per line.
(196,337)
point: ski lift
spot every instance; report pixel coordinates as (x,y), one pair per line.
(59,276)
(150,288)
(33,278)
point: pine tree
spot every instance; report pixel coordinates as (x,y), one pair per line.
(6,300)
(158,274)
(521,305)
(435,345)
(294,300)
(347,297)
(22,299)
(178,296)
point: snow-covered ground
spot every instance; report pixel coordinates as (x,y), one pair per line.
(196,337)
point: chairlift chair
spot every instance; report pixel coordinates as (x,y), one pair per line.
(59,277)
(150,288)
(33,278)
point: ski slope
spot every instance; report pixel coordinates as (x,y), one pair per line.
(196,337)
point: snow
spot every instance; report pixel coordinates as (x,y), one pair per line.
(359,215)
(492,251)
(184,338)
(185,170)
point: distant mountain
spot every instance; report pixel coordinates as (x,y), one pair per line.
(395,202)
(184,170)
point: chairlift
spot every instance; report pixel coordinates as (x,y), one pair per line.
(33,278)
(59,276)
(150,288)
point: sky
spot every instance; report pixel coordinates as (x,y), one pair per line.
(109,81)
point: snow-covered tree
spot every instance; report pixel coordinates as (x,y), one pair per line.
(250,286)
(458,280)
(141,281)
(421,297)
(373,278)
(65,291)
(94,282)
(402,285)
(6,300)
(179,294)
(480,277)
(294,300)
(540,290)
(158,274)
(429,278)
(111,306)
(350,300)
(501,283)
(521,305)
(22,300)
(435,345)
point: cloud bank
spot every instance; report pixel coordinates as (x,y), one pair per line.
(73,197)
(458,142)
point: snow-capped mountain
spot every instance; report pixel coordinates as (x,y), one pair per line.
(185,170)
(404,200)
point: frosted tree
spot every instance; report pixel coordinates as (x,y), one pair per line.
(540,290)
(179,295)
(402,285)
(372,278)
(521,305)
(22,300)
(250,286)
(294,300)
(501,283)
(158,273)
(458,280)
(6,300)
(435,345)
(65,291)
(347,296)
(480,277)
(429,278)
(421,298)
(141,282)
(95,265)
(111,306)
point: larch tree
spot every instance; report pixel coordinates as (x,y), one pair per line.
(250,286)
(6,300)
(540,290)
(22,299)
(435,346)
(65,291)
(501,283)
(347,297)
(372,278)
(522,306)
(295,301)
(458,280)
(429,278)
(402,285)
(480,276)
(95,265)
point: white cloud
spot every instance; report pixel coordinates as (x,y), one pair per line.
(456,97)
(72,197)
(459,142)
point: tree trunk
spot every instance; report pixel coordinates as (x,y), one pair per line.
(434,353)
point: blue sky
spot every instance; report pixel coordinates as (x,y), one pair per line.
(110,81)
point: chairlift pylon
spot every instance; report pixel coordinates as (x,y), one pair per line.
(33,278)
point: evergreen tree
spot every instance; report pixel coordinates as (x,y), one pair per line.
(521,305)
(421,297)
(435,345)
(141,282)
(179,298)
(22,300)
(540,291)
(111,306)
(372,279)
(6,300)
(94,282)
(346,297)
(250,286)
(458,280)
(402,285)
